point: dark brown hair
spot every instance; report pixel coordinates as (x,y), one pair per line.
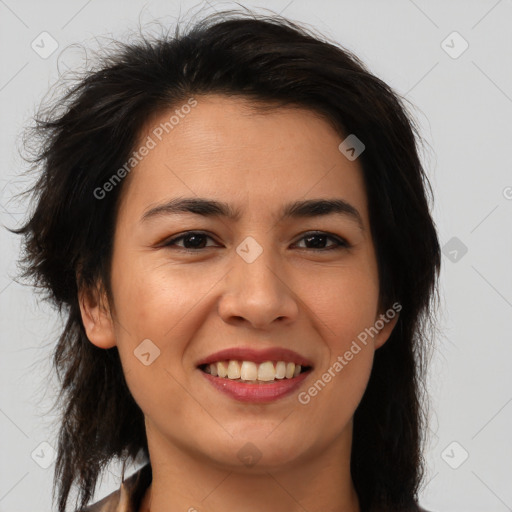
(84,137)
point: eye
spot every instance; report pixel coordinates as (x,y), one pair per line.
(318,239)
(192,241)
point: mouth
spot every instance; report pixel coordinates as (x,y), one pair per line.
(255,375)
(250,372)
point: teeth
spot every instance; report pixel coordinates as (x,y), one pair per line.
(233,370)
(222,369)
(266,371)
(250,371)
(281,370)
(290,370)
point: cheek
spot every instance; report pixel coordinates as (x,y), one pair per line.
(346,302)
(346,305)
(158,309)
(153,298)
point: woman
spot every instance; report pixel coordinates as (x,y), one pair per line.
(235,222)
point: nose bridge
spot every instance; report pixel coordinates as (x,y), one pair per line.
(256,287)
(254,267)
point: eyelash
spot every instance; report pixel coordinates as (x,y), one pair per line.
(341,243)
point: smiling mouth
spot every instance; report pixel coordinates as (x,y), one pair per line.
(252,373)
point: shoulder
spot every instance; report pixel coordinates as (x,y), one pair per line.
(127,497)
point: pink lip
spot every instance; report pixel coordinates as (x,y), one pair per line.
(256,356)
(256,393)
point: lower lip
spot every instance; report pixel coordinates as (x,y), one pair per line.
(256,392)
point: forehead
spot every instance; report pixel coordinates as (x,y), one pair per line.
(225,149)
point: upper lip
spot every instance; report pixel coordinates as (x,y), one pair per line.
(256,356)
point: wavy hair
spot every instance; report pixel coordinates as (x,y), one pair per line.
(90,131)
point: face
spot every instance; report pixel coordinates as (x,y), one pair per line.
(258,285)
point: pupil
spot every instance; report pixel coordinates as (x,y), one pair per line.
(198,240)
(317,237)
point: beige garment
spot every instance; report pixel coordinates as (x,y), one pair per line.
(129,495)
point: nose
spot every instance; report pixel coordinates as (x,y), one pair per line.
(257,293)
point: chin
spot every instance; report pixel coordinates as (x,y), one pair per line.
(256,453)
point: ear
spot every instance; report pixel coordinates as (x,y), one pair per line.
(389,322)
(96,317)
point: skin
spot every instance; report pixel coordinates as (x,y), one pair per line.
(291,296)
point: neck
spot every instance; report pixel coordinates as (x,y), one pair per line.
(182,481)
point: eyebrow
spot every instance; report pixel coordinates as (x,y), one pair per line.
(211,208)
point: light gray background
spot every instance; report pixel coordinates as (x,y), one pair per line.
(464,107)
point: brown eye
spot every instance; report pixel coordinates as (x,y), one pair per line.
(192,241)
(318,241)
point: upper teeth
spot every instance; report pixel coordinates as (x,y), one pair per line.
(247,370)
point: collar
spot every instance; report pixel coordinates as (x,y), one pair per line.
(129,495)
